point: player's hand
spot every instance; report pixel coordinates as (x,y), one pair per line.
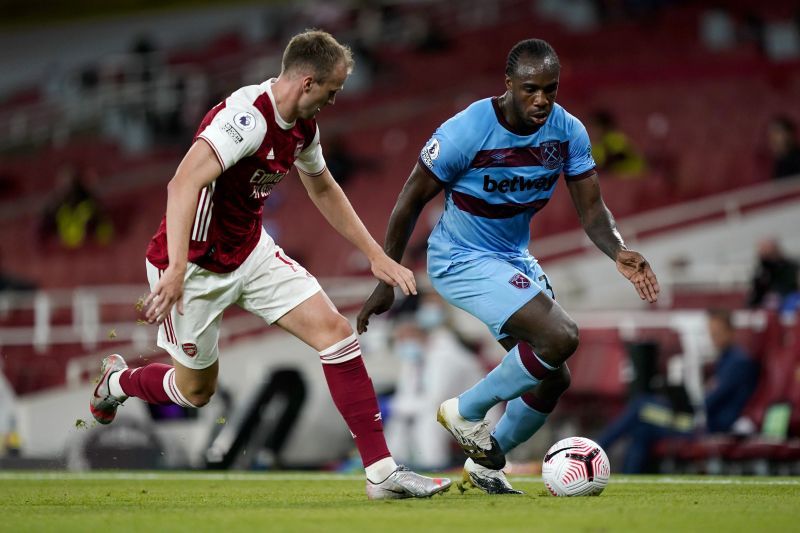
(393,273)
(635,268)
(167,292)
(379,302)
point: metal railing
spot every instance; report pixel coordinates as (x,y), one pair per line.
(728,206)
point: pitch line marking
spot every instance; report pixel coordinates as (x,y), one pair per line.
(208,476)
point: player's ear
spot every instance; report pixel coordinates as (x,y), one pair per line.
(508,82)
(308,81)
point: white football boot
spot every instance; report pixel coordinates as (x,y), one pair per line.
(473,437)
(102,404)
(488,480)
(403,483)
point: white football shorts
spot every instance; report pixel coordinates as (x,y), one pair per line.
(269,284)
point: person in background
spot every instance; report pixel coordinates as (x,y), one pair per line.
(775,276)
(76,217)
(650,417)
(12,282)
(612,150)
(340,160)
(9,437)
(784,146)
(434,366)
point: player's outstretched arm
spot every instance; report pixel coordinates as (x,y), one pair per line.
(198,168)
(599,225)
(419,189)
(335,207)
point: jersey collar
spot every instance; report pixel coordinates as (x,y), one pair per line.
(282,124)
(501,118)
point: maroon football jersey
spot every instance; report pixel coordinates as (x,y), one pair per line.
(256,149)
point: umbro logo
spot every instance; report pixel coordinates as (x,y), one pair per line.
(498,156)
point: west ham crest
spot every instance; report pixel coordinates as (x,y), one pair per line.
(550,155)
(520,281)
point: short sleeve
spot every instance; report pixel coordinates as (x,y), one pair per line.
(580,162)
(442,158)
(234,133)
(310,160)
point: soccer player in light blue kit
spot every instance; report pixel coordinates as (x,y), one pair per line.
(498,162)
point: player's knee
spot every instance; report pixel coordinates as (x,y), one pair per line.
(199,395)
(565,341)
(339,327)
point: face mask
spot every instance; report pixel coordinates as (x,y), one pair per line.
(430,316)
(410,350)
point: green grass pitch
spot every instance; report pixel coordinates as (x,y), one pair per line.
(171,501)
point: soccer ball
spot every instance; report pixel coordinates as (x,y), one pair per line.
(575,466)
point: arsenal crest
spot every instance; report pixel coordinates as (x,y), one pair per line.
(189,349)
(520,281)
(550,155)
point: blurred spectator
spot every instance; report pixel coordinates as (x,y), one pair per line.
(339,160)
(662,159)
(612,150)
(10,282)
(791,304)
(434,365)
(425,33)
(650,417)
(717,29)
(784,146)
(752,30)
(642,10)
(775,276)
(9,185)
(75,216)
(144,50)
(9,437)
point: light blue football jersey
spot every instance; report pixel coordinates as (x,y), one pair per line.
(495,180)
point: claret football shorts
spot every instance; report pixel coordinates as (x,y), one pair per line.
(268,284)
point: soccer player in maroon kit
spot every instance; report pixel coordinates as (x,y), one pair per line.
(211,252)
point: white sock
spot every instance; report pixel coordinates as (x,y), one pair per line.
(114,387)
(174,393)
(380,470)
(342,351)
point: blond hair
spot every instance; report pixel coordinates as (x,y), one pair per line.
(316,51)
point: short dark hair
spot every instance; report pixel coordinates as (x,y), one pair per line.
(532,48)
(318,51)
